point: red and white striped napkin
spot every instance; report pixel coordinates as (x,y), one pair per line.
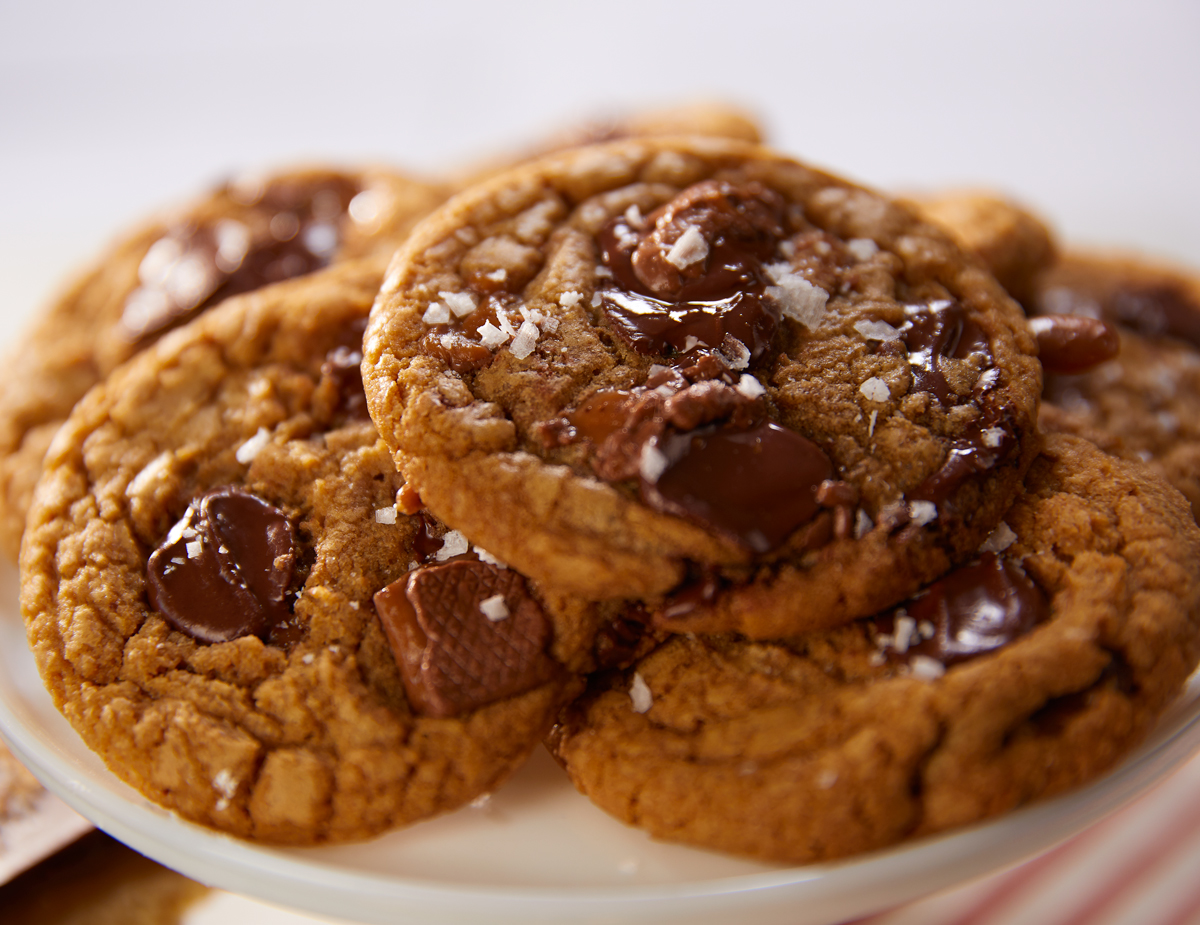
(1140,866)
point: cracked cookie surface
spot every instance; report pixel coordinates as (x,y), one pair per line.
(700,373)
(366,669)
(852,739)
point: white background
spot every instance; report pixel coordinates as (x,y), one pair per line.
(1087,111)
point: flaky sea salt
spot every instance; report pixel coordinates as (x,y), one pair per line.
(876,330)
(385,515)
(796,297)
(690,248)
(570,298)
(453,544)
(862,524)
(922,512)
(993,437)
(526,339)
(926,668)
(487,558)
(862,248)
(491,336)
(999,539)
(252,447)
(494,608)
(750,387)
(652,463)
(437,313)
(875,389)
(639,693)
(461,303)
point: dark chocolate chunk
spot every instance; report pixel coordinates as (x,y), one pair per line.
(933,332)
(465,634)
(225,568)
(755,486)
(691,274)
(973,610)
(1071,344)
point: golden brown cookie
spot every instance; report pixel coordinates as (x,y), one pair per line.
(223,599)
(1144,404)
(247,233)
(1018,676)
(708,118)
(1016,245)
(699,372)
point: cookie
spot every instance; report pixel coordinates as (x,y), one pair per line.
(224,601)
(1144,402)
(1016,245)
(711,118)
(244,234)
(1020,675)
(699,373)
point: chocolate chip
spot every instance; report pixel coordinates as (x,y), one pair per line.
(934,332)
(755,486)
(1073,343)
(454,658)
(225,568)
(973,610)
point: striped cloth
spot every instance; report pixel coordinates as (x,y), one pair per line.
(1140,866)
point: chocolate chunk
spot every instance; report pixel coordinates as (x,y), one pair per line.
(973,610)
(193,267)
(1071,344)
(984,443)
(933,332)
(755,486)
(225,568)
(465,634)
(691,275)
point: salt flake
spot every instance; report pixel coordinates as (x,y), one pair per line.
(639,693)
(385,515)
(690,248)
(453,544)
(437,313)
(875,389)
(922,512)
(252,447)
(494,608)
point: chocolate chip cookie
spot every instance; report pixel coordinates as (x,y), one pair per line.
(1028,671)
(1144,402)
(699,373)
(1015,244)
(245,234)
(226,603)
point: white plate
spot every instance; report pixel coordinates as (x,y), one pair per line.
(537,852)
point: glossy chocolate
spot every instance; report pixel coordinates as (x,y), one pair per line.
(225,569)
(934,332)
(1070,344)
(973,610)
(454,658)
(659,307)
(755,486)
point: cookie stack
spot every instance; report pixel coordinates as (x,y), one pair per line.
(720,474)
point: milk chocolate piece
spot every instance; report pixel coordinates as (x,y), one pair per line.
(465,634)
(225,568)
